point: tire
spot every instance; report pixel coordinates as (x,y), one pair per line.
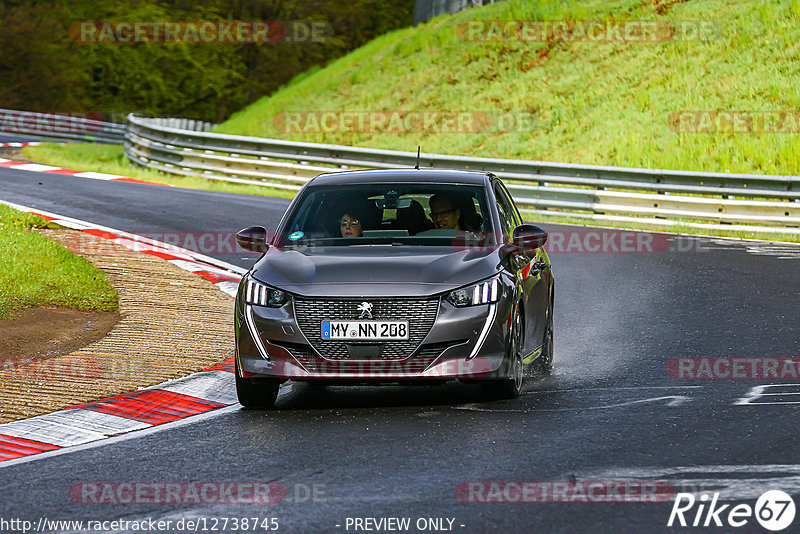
(545,366)
(257,393)
(511,386)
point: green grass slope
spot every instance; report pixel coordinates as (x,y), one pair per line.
(590,102)
(36,271)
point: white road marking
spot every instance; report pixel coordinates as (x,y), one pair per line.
(216,386)
(99,422)
(674,400)
(46,430)
(35,167)
(147,430)
(229,288)
(70,427)
(758,392)
(783,251)
(122,437)
(97,175)
(78,224)
(194,267)
(733,482)
(77,429)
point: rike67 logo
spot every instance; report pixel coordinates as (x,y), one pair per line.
(774,510)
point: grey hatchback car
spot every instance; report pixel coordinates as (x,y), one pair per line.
(398,276)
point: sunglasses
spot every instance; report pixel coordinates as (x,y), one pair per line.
(351,222)
(437,214)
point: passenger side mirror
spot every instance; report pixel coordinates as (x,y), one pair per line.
(253,239)
(527,238)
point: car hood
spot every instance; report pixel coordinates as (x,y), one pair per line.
(373,271)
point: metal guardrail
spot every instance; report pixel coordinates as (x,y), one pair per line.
(50,126)
(660,197)
(180,123)
(425,10)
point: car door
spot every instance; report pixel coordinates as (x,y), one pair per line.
(532,275)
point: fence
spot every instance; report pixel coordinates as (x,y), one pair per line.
(60,127)
(425,10)
(600,193)
(661,197)
(49,126)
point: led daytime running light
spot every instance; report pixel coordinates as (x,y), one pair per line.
(258,294)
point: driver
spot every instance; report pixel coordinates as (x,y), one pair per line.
(444,214)
(350,225)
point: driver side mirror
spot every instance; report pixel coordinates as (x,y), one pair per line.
(253,239)
(526,238)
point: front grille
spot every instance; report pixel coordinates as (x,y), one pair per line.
(414,365)
(420,314)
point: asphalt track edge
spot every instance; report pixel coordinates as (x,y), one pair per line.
(145,410)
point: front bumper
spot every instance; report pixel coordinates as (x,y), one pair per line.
(463,343)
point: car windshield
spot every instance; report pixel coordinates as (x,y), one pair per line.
(389,214)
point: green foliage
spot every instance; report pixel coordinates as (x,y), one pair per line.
(45,68)
(35,271)
(586,102)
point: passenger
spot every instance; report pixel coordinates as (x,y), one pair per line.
(350,225)
(444,214)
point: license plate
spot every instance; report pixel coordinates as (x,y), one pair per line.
(365,330)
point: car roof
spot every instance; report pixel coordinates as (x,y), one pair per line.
(400,175)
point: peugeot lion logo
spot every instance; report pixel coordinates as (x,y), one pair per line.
(366,310)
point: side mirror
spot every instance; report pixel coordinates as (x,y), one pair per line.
(527,237)
(253,239)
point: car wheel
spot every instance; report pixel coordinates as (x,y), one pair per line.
(511,386)
(546,359)
(257,393)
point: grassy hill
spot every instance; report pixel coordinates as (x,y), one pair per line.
(36,271)
(604,102)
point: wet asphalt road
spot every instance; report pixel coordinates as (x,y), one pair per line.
(610,412)
(13,138)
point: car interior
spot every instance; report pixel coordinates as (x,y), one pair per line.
(384,213)
(411,219)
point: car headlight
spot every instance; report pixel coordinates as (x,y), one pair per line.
(483,292)
(262,295)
